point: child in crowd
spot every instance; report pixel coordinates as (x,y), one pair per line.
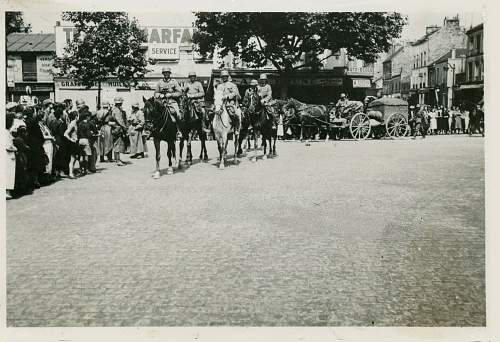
(87,133)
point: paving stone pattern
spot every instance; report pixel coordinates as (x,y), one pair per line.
(383,233)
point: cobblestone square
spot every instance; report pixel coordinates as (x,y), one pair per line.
(369,233)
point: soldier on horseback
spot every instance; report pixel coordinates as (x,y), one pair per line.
(231,96)
(195,93)
(170,91)
(266,95)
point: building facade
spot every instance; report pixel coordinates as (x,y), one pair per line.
(442,77)
(436,42)
(396,71)
(472,85)
(30,59)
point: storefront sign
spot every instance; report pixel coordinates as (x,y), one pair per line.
(70,84)
(44,66)
(325,82)
(163,43)
(163,51)
(361,83)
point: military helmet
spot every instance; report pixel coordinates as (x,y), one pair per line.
(254,82)
(263,77)
(224,73)
(46,102)
(166,69)
(342,95)
(118,99)
(80,102)
(105,104)
(191,73)
(135,105)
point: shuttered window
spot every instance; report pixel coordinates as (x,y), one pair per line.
(29,68)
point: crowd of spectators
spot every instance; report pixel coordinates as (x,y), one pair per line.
(51,141)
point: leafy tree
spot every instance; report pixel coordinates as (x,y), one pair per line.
(105,44)
(283,39)
(14,22)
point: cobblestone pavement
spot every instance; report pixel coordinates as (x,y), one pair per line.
(383,233)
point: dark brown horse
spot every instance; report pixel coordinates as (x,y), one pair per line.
(310,117)
(192,124)
(161,125)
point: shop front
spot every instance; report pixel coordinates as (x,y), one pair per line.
(318,87)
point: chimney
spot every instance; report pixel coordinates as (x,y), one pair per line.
(452,22)
(453,53)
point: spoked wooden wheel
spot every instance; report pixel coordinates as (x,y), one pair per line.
(360,126)
(397,126)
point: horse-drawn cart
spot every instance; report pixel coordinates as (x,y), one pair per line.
(382,117)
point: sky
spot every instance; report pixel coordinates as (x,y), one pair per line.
(417,21)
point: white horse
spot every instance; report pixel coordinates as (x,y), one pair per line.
(223,125)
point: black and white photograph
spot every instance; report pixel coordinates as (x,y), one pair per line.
(245,168)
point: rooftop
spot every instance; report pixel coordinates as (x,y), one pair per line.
(458,53)
(394,54)
(475,28)
(31,42)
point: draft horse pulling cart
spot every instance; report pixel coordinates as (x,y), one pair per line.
(379,118)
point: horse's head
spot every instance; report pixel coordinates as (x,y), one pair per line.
(218,100)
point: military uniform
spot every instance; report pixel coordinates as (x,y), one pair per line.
(232,96)
(265,93)
(420,122)
(195,92)
(173,88)
(119,130)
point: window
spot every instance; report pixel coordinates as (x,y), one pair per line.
(470,73)
(425,58)
(478,43)
(29,68)
(421,58)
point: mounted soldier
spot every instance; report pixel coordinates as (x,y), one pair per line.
(170,91)
(195,93)
(231,96)
(266,97)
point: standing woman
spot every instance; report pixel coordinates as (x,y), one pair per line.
(58,127)
(10,161)
(119,130)
(433,122)
(105,144)
(71,136)
(136,121)
(466,121)
(37,159)
(458,122)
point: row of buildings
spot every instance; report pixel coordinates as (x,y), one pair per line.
(30,62)
(442,68)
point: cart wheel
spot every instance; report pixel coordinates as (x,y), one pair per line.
(397,126)
(360,126)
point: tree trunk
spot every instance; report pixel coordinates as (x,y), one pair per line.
(284,82)
(99,95)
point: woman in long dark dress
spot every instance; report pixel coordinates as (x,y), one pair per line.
(58,127)
(37,160)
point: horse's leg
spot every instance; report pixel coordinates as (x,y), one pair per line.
(264,143)
(204,145)
(236,144)
(222,149)
(171,155)
(256,134)
(189,156)
(157,142)
(181,146)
